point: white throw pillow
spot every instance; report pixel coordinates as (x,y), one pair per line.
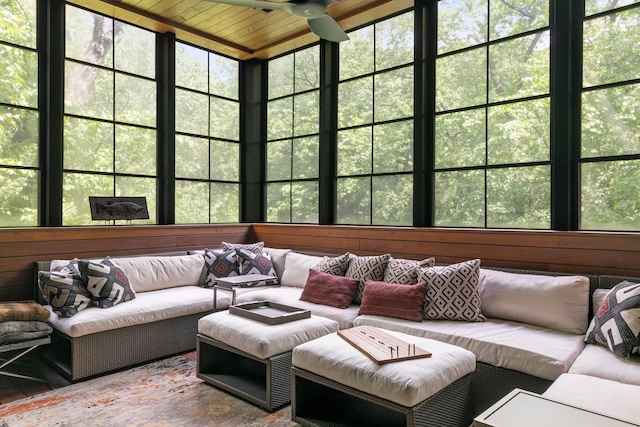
(296,269)
(555,302)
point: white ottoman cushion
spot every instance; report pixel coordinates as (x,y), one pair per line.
(406,382)
(260,339)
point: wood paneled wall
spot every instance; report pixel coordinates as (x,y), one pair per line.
(19,248)
(564,252)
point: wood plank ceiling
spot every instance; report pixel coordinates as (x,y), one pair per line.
(239,32)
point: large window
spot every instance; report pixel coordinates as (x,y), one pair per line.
(19,173)
(610,137)
(375,124)
(207,137)
(110,113)
(292,137)
(492,124)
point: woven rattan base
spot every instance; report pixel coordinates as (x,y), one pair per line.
(318,401)
(264,382)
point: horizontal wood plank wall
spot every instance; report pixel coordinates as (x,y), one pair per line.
(19,248)
(564,252)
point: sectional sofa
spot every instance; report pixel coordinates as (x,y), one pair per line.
(527,329)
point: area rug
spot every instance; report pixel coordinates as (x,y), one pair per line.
(166,393)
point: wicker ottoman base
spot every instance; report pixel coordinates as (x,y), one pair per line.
(318,401)
(264,382)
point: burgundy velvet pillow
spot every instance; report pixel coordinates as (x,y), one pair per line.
(327,289)
(393,300)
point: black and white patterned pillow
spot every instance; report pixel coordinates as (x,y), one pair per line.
(405,271)
(251,263)
(616,325)
(70,267)
(256,248)
(366,268)
(106,282)
(220,264)
(336,266)
(452,292)
(65,293)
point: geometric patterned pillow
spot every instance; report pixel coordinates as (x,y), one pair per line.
(452,292)
(405,271)
(252,263)
(366,268)
(336,266)
(224,264)
(107,283)
(616,325)
(70,267)
(65,293)
(256,248)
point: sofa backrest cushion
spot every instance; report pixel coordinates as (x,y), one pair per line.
(160,272)
(296,269)
(278,257)
(555,302)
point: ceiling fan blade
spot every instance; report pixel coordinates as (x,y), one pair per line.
(258,4)
(327,28)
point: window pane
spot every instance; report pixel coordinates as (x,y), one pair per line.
(460,139)
(192,160)
(461,80)
(596,6)
(192,202)
(279,202)
(225,202)
(225,160)
(305,158)
(135,100)
(19,198)
(354,102)
(519,197)
(280,118)
(281,76)
(19,23)
(459,198)
(611,196)
(461,24)
(354,201)
(307,113)
(191,67)
(392,200)
(127,186)
(279,158)
(135,150)
(192,112)
(76,190)
(307,69)
(225,119)
(354,151)
(304,202)
(519,132)
(88,37)
(394,94)
(93,153)
(610,52)
(89,97)
(393,147)
(18,137)
(394,41)
(507,19)
(610,121)
(356,54)
(19,77)
(519,67)
(223,76)
(135,50)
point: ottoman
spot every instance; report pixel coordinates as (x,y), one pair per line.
(251,359)
(334,383)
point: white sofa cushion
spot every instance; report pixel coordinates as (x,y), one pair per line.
(556,302)
(296,268)
(599,361)
(278,257)
(533,350)
(602,396)
(160,272)
(145,308)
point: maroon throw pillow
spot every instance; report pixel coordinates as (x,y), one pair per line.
(393,300)
(327,289)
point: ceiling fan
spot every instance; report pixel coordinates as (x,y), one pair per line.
(314,11)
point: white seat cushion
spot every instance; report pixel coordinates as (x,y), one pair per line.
(145,308)
(260,339)
(406,383)
(533,350)
(599,361)
(602,396)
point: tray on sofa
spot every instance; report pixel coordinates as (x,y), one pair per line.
(269,312)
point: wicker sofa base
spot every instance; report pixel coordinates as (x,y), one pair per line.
(264,382)
(318,401)
(82,357)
